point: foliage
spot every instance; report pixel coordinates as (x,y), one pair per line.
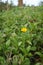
(18,47)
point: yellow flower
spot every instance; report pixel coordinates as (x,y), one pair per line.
(23,29)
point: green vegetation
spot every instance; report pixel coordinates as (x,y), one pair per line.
(18,47)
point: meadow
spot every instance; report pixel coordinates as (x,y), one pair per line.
(21,36)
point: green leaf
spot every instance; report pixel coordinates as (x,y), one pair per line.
(33,48)
(26,62)
(2,61)
(8,43)
(28,48)
(39,53)
(29,42)
(38,64)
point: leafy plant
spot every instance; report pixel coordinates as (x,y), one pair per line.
(21,36)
